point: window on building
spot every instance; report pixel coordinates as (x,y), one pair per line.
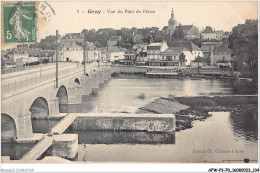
(169,58)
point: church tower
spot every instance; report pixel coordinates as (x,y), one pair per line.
(171,24)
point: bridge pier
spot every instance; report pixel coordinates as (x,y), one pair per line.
(95,86)
(107,74)
(54,107)
(86,84)
(74,98)
(110,71)
(24,126)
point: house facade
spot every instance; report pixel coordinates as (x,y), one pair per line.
(222,54)
(154,50)
(129,58)
(116,53)
(141,59)
(209,34)
(92,52)
(70,52)
(189,49)
(13,56)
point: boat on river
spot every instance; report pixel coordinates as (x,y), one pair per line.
(161,74)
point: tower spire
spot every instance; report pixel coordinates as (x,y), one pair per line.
(172,15)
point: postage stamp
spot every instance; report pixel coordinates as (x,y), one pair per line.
(19,22)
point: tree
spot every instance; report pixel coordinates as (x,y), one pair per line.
(244,43)
(198,41)
(178,33)
(182,57)
(198,60)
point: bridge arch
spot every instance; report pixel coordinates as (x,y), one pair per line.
(39,108)
(77,81)
(62,95)
(8,128)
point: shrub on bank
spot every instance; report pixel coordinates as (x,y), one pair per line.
(141,96)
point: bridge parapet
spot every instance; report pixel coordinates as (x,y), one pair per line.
(28,82)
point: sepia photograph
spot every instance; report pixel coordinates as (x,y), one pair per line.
(129,82)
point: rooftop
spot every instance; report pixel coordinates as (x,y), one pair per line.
(223,48)
(116,49)
(208,29)
(173,50)
(188,45)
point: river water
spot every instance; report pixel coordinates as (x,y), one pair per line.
(121,94)
(221,137)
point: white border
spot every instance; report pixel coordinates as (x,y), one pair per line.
(128,167)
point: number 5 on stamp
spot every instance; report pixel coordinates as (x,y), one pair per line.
(19,22)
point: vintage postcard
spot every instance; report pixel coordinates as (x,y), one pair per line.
(173,82)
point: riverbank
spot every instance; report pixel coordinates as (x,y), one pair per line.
(189,109)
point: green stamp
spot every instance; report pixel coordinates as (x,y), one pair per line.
(19,22)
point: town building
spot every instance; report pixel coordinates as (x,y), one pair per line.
(154,50)
(170,57)
(104,55)
(92,52)
(70,52)
(222,55)
(14,55)
(209,34)
(172,23)
(209,46)
(129,58)
(116,53)
(189,31)
(189,49)
(141,59)
(25,60)
(72,38)
(219,35)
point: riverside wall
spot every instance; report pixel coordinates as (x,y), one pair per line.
(125,122)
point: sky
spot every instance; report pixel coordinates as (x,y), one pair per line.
(69,16)
(72,17)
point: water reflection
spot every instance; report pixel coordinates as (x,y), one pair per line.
(14,150)
(215,134)
(245,125)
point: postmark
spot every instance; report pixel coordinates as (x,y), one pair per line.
(19,22)
(44,14)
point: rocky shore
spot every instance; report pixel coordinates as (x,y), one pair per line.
(189,109)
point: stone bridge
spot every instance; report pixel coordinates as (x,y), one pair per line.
(33,93)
